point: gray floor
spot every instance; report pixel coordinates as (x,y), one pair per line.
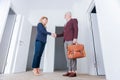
(47,76)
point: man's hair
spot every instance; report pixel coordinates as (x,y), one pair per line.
(69,12)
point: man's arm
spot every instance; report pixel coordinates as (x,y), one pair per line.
(60,35)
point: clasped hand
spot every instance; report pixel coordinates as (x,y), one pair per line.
(54,35)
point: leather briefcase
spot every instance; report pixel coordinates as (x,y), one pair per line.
(76,51)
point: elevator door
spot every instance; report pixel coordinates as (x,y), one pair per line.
(60,61)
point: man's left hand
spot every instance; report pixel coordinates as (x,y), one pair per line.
(74,40)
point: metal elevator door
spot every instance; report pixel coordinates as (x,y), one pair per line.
(60,60)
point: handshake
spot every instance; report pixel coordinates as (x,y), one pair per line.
(54,35)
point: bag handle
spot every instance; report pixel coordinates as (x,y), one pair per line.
(75,43)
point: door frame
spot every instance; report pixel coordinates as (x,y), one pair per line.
(89,11)
(9,43)
(92,5)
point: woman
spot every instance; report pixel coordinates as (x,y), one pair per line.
(40,44)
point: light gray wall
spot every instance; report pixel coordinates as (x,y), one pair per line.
(4,10)
(6,39)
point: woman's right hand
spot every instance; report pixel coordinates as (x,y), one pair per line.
(54,35)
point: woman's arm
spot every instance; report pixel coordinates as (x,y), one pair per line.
(40,28)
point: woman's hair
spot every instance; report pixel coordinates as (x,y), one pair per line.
(44,17)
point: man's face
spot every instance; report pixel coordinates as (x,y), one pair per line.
(67,16)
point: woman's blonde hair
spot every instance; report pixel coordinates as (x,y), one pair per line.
(44,17)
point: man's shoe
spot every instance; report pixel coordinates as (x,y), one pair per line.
(72,75)
(67,74)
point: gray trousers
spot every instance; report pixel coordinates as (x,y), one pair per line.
(71,63)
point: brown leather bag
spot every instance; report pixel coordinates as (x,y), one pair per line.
(75,51)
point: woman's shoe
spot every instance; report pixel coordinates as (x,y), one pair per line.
(38,70)
(72,75)
(35,72)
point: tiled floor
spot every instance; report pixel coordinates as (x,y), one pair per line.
(47,76)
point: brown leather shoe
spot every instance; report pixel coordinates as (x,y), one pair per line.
(67,74)
(72,75)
